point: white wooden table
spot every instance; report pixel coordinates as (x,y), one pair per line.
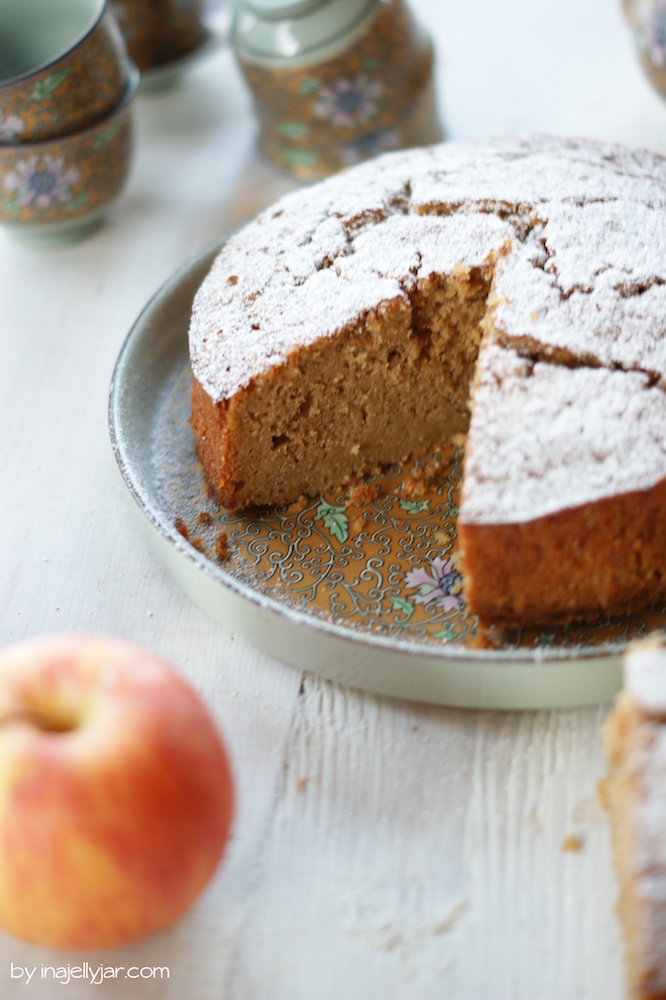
(381,849)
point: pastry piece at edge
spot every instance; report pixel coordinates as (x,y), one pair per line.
(563,509)
(635,795)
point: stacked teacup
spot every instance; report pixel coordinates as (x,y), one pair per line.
(66,89)
(159,33)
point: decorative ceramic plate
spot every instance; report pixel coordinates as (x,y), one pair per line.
(360,586)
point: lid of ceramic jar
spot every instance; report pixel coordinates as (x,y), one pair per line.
(297,32)
(283,8)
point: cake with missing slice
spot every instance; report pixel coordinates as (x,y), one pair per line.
(514,290)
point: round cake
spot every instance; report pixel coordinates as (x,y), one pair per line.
(511,290)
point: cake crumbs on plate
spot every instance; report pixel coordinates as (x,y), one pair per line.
(181,528)
(296,506)
(413,487)
(222,547)
(363,493)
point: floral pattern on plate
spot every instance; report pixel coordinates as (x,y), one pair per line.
(381,559)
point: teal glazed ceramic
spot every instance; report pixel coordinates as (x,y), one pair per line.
(57,191)
(64,67)
(158,32)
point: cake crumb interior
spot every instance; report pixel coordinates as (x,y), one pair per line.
(393,387)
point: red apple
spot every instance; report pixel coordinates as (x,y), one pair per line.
(115,792)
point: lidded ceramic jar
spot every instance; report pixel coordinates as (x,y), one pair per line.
(335,81)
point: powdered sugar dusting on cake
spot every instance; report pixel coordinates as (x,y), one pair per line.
(584,225)
(597,289)
(545,437)
(529,172)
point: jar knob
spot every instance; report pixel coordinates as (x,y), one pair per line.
(277,9)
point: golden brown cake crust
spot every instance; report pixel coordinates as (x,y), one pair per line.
(563,512)
(209,421)
(602,558)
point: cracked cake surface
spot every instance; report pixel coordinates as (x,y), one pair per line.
(340,330)
(595,218)
(543,432)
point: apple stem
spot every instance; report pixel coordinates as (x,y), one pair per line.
(37,719)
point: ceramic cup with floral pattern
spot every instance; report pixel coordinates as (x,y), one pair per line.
(648,21)
(57,191)
(63,67)
(158,32)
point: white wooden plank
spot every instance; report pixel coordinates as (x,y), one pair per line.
(541,919)
(419,852)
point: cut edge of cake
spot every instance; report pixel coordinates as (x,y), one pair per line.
(392,386)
